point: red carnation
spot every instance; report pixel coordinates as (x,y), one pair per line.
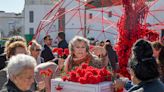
(49,70)
(55,50)
(59,87)
(66,52)
(65,78)
(84,66)
(83,80)
(60,52)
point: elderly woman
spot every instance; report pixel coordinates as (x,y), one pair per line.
(143,69)
(79,53)
(35,50)
(20,70)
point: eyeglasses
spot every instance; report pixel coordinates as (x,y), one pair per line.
(49,39)
(37,49)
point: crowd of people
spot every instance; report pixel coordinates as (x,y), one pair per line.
(22,64)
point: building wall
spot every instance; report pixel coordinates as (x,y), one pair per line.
(72,28)
(9,21)
(39,13)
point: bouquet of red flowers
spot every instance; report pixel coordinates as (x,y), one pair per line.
(85,74)
(46,73)
(61,53)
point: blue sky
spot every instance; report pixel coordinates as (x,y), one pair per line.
(12,5)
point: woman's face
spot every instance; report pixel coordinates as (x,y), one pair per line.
(36,51)
(79,49)
(20,50)
(24,80)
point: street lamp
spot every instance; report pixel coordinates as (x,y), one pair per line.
(85,16)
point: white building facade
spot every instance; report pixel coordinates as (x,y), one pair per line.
(34,11)
(77,19)
(10,22)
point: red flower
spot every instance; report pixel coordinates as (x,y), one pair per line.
(59,87)
(60,52)
(30,43)
(84,66)
(83,80)
(65,78)
(66,52)
(46,73)
(43,73)
(85,74)
(55,50)
(49,70)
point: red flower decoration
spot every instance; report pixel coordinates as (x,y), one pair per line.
(59,87)
(30,43)
(66,52)
(46,73)
(85,74)
(61,53)
(55,50)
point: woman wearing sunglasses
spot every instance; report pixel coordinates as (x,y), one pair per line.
(35,50)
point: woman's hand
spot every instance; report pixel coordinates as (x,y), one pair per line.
(99,51)
(41,85)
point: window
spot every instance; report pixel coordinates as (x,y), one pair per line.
(110,14)
(90,16)
(31,31)
(31,16)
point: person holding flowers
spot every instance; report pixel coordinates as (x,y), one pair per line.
(80,53)
(46,71)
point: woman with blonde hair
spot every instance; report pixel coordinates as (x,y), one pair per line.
(35,51)
(80,53)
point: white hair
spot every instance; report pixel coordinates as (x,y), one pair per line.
(18,63)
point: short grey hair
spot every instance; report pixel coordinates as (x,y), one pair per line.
(18,63)
(78,39)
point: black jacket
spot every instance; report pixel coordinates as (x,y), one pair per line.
(47,54)
(63,44)
(11,87)
(112,58)
(2,61)
(149,86)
